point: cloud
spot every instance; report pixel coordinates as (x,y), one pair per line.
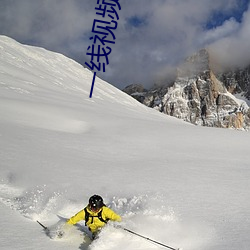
(233,49)
(228,28)
(51,23)
(172,31)
(152,36)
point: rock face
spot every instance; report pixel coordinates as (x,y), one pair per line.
(137,91)
(237,81)
(201,97)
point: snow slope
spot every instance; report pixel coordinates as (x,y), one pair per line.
(179,184)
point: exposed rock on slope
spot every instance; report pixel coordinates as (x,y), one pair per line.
(200,97)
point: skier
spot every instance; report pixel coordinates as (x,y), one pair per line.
(95,214)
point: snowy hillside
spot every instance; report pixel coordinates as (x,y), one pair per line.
(179,184)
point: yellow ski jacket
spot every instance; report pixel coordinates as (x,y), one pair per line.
(94,223)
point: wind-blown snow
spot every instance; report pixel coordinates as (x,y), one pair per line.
(179,184)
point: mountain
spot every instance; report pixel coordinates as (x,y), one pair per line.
(237,81)
(202,97)
(182,185)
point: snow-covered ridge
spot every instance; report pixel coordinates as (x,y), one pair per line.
(33,74)
(36,68)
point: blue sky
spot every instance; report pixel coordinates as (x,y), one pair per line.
(219,17)
(152,38)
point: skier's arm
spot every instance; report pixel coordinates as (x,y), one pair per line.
(110,214)
(77,217)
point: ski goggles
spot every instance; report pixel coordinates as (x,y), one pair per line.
(94,208)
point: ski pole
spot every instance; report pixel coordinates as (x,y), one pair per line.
(45,228)
(146,238)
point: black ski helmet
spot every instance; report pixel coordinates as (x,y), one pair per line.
(96,202)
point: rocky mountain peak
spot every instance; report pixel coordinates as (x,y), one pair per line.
(196,64)
(202,97)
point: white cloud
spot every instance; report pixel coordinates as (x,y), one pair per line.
(228,28)
(233,50)
(171,30)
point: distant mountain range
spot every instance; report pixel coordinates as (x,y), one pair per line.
(201,94)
